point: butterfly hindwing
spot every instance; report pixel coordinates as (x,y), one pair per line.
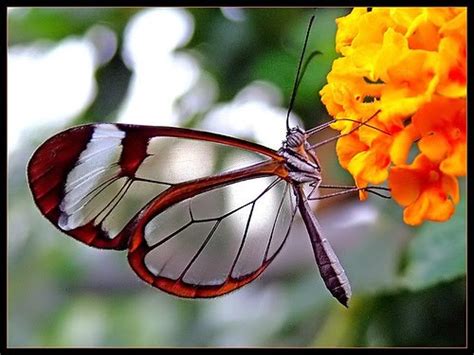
(193,249)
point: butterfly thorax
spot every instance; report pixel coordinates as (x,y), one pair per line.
(300,160)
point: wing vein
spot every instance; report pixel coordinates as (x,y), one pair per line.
(165,239)
(101,187)
(275,222)
(123,190)
(204,244)
(288,231)
(269,187)
(87,177)
(243,239)
(86,158)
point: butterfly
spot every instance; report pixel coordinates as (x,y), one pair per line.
(194,222)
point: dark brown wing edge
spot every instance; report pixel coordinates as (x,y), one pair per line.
(139,248)
(51,163)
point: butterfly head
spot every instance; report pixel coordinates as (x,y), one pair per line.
(295,138)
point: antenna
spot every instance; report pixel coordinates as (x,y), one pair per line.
(298,79)
(360,124)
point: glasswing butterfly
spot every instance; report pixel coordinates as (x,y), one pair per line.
(193,227)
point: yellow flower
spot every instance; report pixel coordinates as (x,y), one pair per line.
(442,126)
(365,154)
(452,70)
(348,94)
(402,142)
(409,65)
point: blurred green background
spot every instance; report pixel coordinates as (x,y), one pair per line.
(180,67)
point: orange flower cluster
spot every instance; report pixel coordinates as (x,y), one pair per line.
(407,68)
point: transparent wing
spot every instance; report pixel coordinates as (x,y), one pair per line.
(90,181)
(215,241)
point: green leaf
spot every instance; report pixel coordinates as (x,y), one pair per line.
(438,253)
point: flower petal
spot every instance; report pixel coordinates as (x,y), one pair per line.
(402,143)
(415,213)
(451,187)
(405,185)
(455,164)
(347,147)
(440,208)
(435,146)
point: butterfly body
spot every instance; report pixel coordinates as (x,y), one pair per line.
(303,167)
